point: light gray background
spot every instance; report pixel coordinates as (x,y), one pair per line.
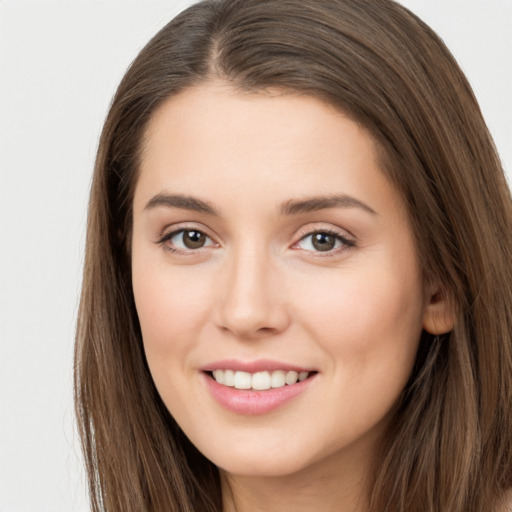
(60,62)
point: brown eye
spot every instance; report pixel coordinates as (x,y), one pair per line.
(186,240)
(193,239)
(323,241)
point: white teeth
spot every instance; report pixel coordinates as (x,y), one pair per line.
(278,379)
(291,378)
(218,375)
(243,380)
(229,378)
(258,381)
(261,380)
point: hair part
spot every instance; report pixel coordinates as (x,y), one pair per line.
(449,443)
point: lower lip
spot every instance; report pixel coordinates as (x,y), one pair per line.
(254,402)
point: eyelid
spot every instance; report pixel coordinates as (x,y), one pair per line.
(319,227)
(348,240)
(171,231)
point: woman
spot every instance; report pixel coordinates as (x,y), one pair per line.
(297,290)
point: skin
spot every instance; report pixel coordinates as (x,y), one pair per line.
(258,288)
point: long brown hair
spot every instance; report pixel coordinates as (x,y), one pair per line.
(449,445)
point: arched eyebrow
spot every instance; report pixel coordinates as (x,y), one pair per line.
(183,202)
(294,207)
(290,207)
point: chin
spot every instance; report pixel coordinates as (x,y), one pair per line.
(262,467)
(259,460)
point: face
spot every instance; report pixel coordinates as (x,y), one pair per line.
(275,278)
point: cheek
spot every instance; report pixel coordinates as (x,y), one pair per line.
(172,309)
(171,304)
(369,326)
(369,321)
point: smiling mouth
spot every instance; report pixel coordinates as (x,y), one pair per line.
(258,381)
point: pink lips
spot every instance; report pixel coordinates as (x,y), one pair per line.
(250,402)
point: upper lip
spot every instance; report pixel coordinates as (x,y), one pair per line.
(259,365)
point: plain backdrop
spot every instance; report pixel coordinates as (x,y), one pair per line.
(60,62)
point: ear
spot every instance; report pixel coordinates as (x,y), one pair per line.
(439,316)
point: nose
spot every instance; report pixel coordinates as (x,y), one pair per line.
(253,302)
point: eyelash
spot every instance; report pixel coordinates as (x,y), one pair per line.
(346,243)
(175,250)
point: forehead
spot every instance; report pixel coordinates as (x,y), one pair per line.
(213,139)
(203,116)
(223,107)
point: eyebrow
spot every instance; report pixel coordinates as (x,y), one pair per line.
(183,202)
(294,207)
(291,207)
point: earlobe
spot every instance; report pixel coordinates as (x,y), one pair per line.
(439,315)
